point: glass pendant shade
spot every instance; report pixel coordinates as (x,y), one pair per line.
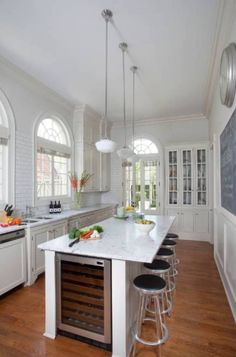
(133,158)
(105,146)
(125,153)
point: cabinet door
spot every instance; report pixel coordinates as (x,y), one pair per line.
(201,177)
(38,237)
(202,222)
(187,177)
(187,221)
(172,178)
(175,228)
(73,223)
(105,169)
(60,230)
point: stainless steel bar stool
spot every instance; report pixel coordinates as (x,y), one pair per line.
(175,237)
(150,287)
(171,244)
(162,268)
(168,255)
(172,236)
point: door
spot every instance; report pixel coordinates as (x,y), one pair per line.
(148,184)
(187,224)
(187,177)
(39,237)
(202,222)
(172,178)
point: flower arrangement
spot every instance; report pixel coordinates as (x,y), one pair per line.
(78,185)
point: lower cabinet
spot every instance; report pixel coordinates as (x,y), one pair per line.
(43,233)
(37,236)
(192,224)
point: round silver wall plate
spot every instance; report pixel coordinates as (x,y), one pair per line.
(228,75)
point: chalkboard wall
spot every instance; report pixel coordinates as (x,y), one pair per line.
(228,165)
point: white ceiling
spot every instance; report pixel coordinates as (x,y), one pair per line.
(61,43)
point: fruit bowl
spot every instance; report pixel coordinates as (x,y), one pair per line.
(144,226)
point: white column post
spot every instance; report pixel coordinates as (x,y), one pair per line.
(50,294)
(119,328)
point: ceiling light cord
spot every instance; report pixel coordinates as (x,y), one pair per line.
(123,56)
(106,80)
(133,114)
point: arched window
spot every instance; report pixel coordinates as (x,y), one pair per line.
(4,167)
(145,146)
(53,159)
(141,178)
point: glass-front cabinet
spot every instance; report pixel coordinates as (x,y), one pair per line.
(187,174)
(201,177)
(173,177)
(187,177)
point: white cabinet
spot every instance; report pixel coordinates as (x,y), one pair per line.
(57,229)
(191,224)
(187,194)
(187,176)
(36,236)
(13,264)
(87,131)
(202,222)
(73,223)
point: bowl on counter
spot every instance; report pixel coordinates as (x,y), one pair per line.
(144,226)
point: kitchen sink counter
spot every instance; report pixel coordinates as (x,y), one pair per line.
(55,217)
(120,240)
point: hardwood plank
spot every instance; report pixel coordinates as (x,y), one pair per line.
(201,324)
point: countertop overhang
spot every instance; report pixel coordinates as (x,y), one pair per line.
(120,241)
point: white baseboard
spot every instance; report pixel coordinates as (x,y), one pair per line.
(229,294)
(201,237)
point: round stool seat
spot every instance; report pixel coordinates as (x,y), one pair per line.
(172,235)
(169,242)
(165,252)
(150,283)
(157,264)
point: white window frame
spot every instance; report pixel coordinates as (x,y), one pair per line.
(8,132)
(56,147)
(159,156)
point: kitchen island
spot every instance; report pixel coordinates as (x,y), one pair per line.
(127,248)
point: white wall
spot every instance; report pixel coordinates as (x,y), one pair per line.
(224,221)
(29,99)
(164,133)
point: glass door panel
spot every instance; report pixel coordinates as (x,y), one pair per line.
(187,178)
(149,185)
(173,178)
(201,177)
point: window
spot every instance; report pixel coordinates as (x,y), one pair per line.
(4,143)
(145,146)
(140,180)
(53,159)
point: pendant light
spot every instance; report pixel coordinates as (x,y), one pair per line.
(106,145)
(125,152)
(134,157)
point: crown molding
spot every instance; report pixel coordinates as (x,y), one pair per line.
(153,121)
(34,84)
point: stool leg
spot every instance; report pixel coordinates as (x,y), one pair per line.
(141,315)
(159,325)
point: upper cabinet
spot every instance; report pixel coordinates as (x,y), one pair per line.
(87,127)
(187,176)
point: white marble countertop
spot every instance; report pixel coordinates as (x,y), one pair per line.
(120,240)
(55,217)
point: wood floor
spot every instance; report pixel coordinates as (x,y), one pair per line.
(201,325)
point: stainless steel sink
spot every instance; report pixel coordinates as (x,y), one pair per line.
(44,217)
(29,220)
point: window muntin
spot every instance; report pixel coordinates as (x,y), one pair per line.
(53,159)
(4,135)
(145,146)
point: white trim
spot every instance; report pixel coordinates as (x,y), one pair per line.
(11,147)
(152,121)
(54,115)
